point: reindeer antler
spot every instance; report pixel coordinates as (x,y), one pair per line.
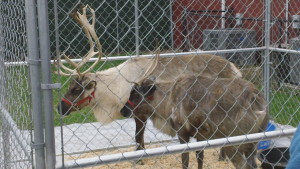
(89,30)
(153,65)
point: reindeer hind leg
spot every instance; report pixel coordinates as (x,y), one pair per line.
(236,157)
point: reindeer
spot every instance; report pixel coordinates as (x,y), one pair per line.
(204,108)
(107,91)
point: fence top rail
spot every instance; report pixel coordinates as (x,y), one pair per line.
(285,50)
(153,152)
(113,58)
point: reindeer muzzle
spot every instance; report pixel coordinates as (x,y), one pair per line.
(64,108)
(68,107)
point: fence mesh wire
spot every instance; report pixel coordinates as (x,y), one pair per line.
(179,26)
(127,28)
(15,133)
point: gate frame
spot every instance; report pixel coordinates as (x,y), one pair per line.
(40,60)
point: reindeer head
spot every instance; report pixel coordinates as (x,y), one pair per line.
(82,88)
(139,95)
(80,93)
(92,89)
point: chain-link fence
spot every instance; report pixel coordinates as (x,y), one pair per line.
(16,123)
(196,92)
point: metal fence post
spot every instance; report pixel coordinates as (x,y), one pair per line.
(5,129)
(38,143)
(44,42)
(266,58)
(136,27)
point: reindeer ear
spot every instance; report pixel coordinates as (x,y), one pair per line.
(151,90)
(153,78)
(148,87)
(149,81)
(147,90)
(90,85)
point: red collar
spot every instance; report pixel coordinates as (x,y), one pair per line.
(133,105)
(89,98)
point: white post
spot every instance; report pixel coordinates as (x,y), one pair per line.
(223,8)
(286,23)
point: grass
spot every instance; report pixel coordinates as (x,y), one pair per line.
(17,100)
(284,107)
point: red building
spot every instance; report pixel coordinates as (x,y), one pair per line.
(191,17)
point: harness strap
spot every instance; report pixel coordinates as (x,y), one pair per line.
(66,101)
(133,105)
(89,98)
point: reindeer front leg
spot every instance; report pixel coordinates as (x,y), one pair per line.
(222,155)
(140,123)
(199,157)
(184,138)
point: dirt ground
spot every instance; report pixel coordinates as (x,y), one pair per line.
(164,162)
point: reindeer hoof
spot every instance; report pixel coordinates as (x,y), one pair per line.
(140,162)
(221,158)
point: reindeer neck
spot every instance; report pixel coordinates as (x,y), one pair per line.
(132,70)
(118,80)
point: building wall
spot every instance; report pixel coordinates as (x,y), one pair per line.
(191,24)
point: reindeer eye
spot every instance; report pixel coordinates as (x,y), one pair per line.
(89,86)
(76,90)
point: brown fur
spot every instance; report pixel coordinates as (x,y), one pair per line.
(113,85)
(203,108)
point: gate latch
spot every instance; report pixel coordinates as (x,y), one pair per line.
(51,86)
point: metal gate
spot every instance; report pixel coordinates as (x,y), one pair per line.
(260,37)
